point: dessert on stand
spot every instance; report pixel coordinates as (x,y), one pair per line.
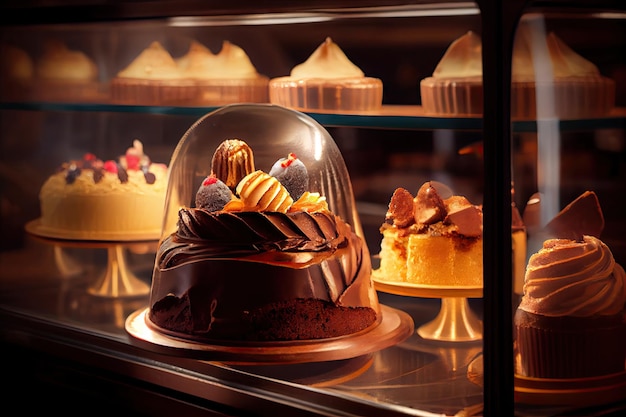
(113,205)
(262,256)
(432,247)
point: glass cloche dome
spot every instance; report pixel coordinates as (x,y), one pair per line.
(272,132)
(261,240)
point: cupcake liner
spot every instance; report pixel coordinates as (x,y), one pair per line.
(569,347)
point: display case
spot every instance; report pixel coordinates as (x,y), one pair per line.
(65,303)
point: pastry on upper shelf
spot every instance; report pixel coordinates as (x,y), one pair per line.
(17,72)
(260,256)
(223,78)
(95,199)
(571,322)
(547,73)
(327,81)
(152,78)
(432,239)
(64,74)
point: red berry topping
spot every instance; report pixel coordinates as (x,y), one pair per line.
(290,158)
(132,162)
(211,179)
(110,166)
(89,157)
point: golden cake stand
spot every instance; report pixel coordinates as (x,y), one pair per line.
(394,327)
(117,280)
(455,322)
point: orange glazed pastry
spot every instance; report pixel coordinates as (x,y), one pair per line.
(431,240)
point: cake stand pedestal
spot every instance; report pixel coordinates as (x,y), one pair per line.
(117,280)
(455,322)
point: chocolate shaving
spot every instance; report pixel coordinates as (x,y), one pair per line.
(122,174)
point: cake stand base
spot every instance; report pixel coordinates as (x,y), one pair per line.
(118,280)
(455,322)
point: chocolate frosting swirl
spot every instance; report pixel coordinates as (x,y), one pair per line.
(202,233)
(574,278)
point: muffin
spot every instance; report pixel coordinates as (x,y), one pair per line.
(152,78)
(576,85)
(64,74)
(327,81)
(571,321)
(223,78)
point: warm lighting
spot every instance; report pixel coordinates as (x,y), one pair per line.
(323,15)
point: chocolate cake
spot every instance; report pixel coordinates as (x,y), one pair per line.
(260,266)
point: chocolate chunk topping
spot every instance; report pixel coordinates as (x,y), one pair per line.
(401,208)
(429,205)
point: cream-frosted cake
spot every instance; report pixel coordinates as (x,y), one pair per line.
(259,257)
(65,74)
(327,81)
(571,82)
(95,199)
(223,78)
(431,240)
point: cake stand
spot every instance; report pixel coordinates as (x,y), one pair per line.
(394,327)
(117,280)
(455,322)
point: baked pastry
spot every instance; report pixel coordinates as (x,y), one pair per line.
(456,85)
(113,199)
(64,74)
(573,83)
(255,261)
(152,78)
(433,239)
(327,81)
(571,322)
(223,78)
(17,72)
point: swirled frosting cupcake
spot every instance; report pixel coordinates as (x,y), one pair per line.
(571,322)
(261,260)
(327,81)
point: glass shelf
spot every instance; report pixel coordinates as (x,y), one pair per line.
(389,117)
